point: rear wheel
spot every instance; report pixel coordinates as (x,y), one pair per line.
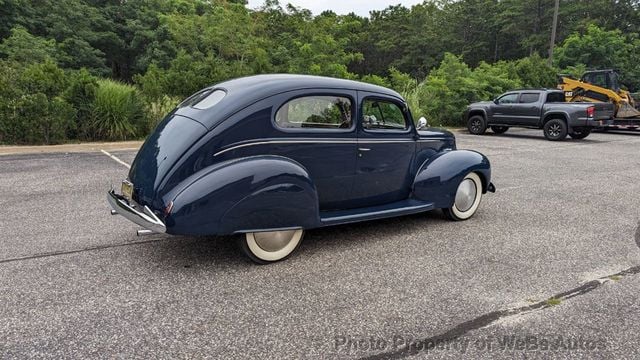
(580,133)
(499,129)
(467,201)
(555,129)
(271,246)
(477,125)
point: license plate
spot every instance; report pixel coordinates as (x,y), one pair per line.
(127,189)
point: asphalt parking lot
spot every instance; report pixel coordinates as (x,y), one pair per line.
(550,258)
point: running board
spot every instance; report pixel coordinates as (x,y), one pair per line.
(404,207)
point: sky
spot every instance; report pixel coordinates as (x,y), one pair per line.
(360,7)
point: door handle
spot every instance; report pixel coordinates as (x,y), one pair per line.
(364,149)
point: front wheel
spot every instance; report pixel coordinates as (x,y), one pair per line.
(467,201)
(271,246)
(580,133)
(555,129)
(477,125)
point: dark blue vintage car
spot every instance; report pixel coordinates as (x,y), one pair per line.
(273,155)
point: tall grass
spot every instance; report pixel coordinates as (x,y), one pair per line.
(117,112)
(155,111)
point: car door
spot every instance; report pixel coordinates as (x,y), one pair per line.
(527,110)
(503,110)
(386,147)
(317,128)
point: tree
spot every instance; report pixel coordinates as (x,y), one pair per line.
(601,49)
(24,48)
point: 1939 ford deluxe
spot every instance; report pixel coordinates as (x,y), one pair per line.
(270,156)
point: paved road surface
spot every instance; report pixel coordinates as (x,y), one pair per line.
(77,282)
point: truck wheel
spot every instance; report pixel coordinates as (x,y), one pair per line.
(499,129)
(477,125)
(467,200)
(580,133)
(555,129)
(271,246)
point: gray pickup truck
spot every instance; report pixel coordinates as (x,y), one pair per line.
(539,109)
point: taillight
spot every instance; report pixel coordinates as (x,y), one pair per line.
(591,111)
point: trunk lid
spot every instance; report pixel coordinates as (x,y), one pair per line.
(160,151)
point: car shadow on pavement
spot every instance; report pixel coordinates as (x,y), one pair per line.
(542,138)
(224,252)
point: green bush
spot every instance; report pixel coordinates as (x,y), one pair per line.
(81,94)
(155,111)
(36,119)
(117,112)
(451,87)
(31,108)
(153,84)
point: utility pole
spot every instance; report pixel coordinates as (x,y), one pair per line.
(553,31)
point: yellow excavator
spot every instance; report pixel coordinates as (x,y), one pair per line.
(600,86)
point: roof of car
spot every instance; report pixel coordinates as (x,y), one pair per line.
(274,83)
(242,92)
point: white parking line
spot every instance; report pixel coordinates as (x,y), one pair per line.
(116,159)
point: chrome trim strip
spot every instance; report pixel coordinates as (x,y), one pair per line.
(147,219)
(323,141)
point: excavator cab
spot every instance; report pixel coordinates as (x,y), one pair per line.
(607,79)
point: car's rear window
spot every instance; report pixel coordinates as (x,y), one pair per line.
(555,97)
(209,100)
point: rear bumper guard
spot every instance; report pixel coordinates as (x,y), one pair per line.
(145,218)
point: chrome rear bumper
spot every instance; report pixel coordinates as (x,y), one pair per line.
(147,219)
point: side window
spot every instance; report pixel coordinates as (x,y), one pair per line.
(315,112)
(596,79)
(508,99)
(380,114)
(555,97)
(528,98)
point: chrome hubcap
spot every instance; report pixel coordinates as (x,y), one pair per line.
(273,241)
(554,130)
(466,195)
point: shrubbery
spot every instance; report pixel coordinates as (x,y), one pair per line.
(42,104)
(449,88)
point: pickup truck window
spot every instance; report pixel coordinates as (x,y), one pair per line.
(508,99)
(528,98)
(555,97)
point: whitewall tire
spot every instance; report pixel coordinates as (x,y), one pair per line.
(270,246)
(467,200)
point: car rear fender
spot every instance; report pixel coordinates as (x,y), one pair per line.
(438,178)
(254,193)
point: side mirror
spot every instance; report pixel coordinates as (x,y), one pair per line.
(495,101)
(422,123)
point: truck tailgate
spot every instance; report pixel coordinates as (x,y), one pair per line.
(603,111)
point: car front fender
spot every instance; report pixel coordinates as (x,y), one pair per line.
(438,178)
(241,195)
